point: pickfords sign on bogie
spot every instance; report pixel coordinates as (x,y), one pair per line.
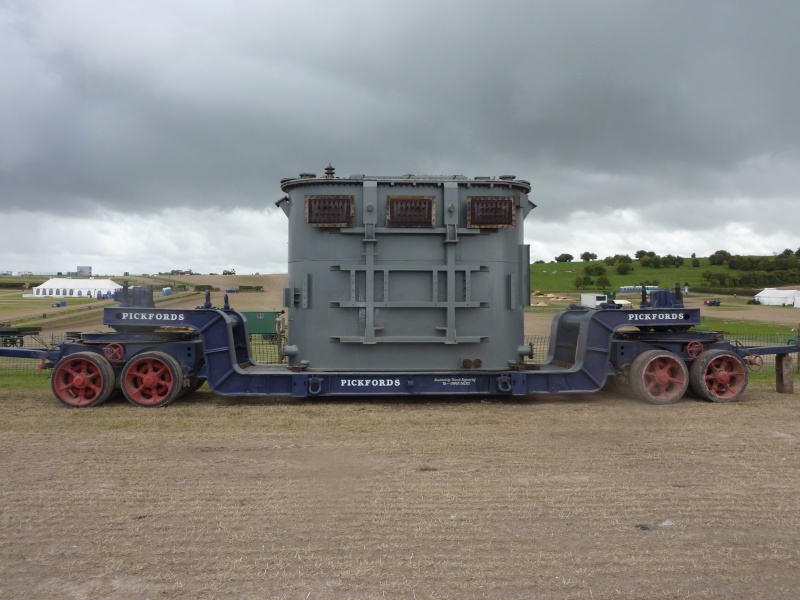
(150,316)
(656,316)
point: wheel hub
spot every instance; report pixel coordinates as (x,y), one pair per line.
(79,382)
(149,380)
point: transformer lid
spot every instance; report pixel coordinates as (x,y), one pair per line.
(310,178)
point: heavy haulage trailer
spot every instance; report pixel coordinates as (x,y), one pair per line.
(401,286)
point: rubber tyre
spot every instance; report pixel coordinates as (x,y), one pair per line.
(82,380)
(659,377)
(151,379)
(718,376)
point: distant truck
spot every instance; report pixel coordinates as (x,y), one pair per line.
(593,300)
(229,272)
(712,302)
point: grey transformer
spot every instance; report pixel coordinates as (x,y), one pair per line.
(406,273)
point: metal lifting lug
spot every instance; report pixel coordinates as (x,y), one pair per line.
(504,383)
(314,385)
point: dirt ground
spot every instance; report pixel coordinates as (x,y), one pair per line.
(556,497)
(553,497)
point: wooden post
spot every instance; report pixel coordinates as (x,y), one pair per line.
(784,380)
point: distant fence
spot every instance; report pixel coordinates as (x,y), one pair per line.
(265,348)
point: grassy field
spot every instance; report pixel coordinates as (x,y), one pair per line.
(560,277)
(743,327)
(12,301)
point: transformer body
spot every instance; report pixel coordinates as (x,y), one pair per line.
(419,273)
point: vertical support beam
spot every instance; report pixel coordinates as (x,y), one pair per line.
(370,216)
(525,274)
(450,205)
(369,209)
(450,211)
(784,380)
(450,251)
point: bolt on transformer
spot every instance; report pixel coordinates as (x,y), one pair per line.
(401,286)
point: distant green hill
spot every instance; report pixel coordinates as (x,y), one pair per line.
(562,276)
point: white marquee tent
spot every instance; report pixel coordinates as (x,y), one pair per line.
(775,297)
(75,288)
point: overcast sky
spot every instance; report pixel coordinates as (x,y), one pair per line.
(147,135)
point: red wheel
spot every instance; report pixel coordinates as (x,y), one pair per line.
(152,379)
(82,379)
(659,377)
(755,362)
(114,352)
(694,349)
(719,376)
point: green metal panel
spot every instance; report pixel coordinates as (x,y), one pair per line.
(261,321)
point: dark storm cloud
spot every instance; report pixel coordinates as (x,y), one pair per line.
(140,106)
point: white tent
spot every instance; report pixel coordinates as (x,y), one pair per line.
(75,288)
(775,297)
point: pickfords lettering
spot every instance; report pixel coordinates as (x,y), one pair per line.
(655,317)
(370,382)
(140,316)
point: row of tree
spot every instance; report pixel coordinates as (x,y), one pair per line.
(786,260)
(646,259)
(759,271)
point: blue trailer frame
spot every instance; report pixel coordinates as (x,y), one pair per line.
(587,347)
